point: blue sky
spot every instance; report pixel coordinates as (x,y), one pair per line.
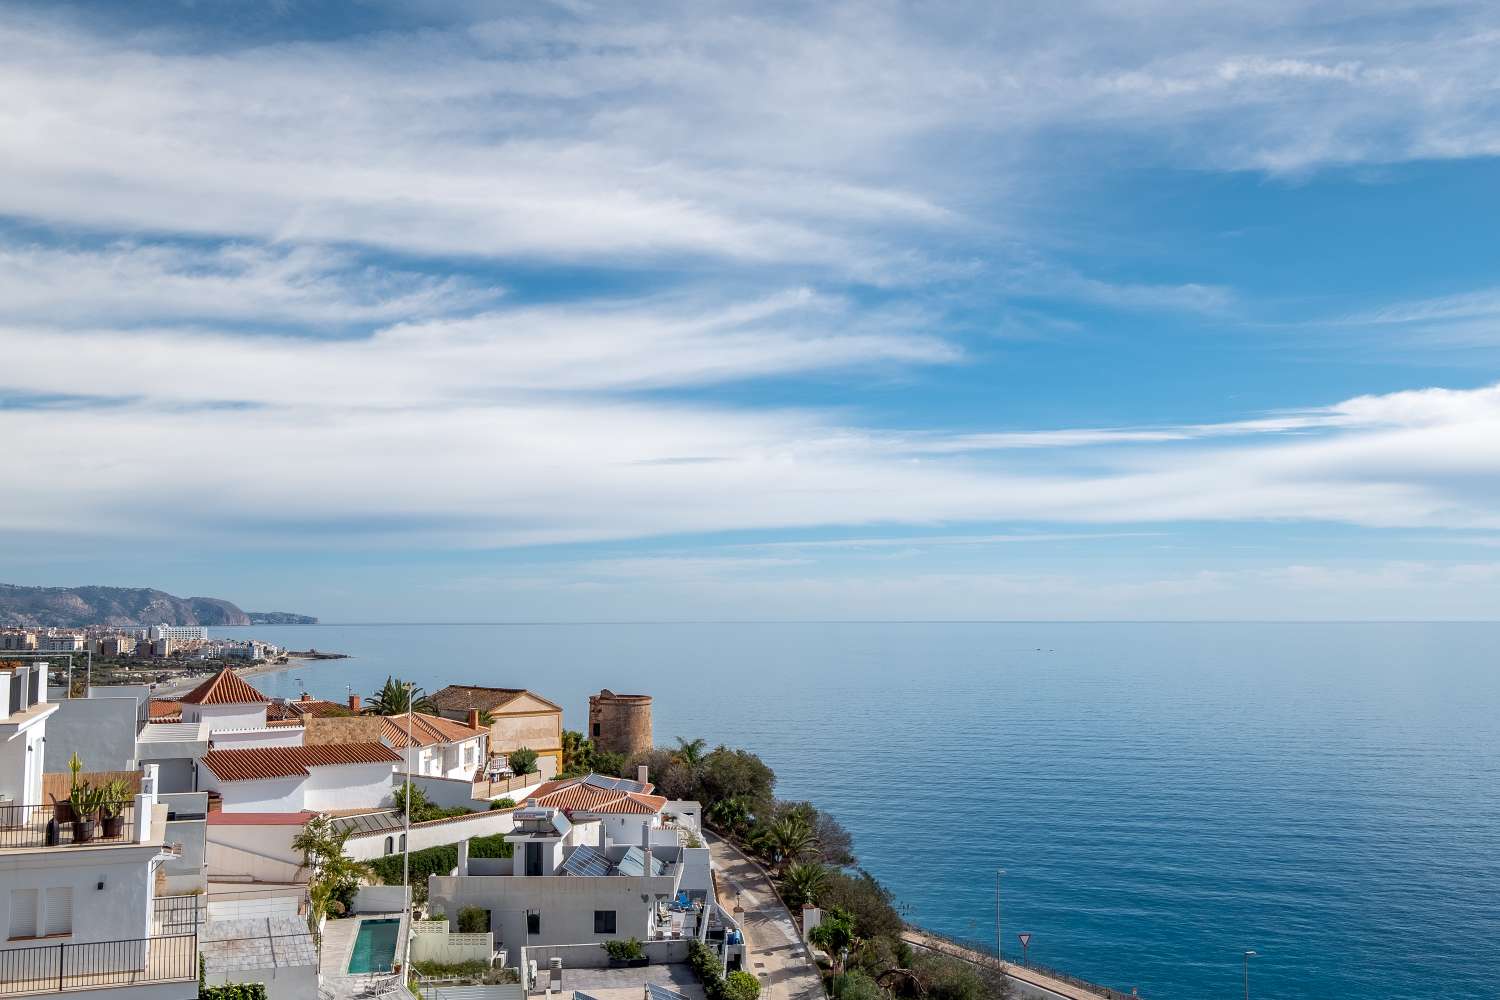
(605,311)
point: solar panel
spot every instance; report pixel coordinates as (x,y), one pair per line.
(634,863)
(586,861)
(614,784)
(655,992)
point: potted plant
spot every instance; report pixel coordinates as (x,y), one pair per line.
(625,954)
(112,811)
(62,810)
(86,801)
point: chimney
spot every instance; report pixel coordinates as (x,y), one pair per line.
(640,773)
(354,703)
(646,849)
(473,718)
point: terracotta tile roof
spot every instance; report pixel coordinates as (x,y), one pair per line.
(466,697)
(312,706)
(570,794)
(222,818)
(251,763)
(162,710)
(426,730)
(224,688)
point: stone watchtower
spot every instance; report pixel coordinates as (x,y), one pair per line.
(620,723)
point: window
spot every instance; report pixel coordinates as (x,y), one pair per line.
(60,910)
(390,845)
(403,843)
(533,921)
(23,913)
(604,921)
(596,729)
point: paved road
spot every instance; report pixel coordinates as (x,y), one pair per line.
(777,955)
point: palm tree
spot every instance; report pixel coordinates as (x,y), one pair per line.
(789,839)
(690,752)
(835,935)
(329,868)
(392,699)
(729,815)
(802,883)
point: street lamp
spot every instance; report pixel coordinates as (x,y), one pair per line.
(999,942)
(406,833)
(1248,956)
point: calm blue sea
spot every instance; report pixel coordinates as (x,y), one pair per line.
(1162,796)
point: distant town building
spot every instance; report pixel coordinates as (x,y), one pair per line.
(61,643)
(178,633)
(117,645)
(18,641)
(620,723)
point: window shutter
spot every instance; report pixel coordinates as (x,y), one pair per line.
(60,910)
(22,913)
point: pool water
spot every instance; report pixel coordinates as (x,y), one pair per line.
(375,945)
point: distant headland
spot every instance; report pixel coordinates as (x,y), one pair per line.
(77,607)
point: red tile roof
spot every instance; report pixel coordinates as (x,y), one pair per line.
(426,730)
(572,794)
(162,710)
(259,819)
(224,688)
(464,697)
(252,763)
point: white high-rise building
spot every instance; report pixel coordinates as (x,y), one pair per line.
(177,633)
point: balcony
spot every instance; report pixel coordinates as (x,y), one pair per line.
(63,968)
(23,826)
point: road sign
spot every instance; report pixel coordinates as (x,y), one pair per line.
(1025,940)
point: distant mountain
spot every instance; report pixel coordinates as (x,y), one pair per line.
(279,618)
(74,607)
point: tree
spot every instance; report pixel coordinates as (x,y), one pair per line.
(787,839)
(729,815)
(577,753)
(726,773)
(835,935)
(523,760)
(740,985)
(835,844)
(690,752)
(856,985)
(331,872)
(392,699)
(869,902)
(667,772)
(802,883)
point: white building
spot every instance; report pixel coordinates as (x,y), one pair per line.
(177,633)
(594,861)
(293,779)
(63,643)
(80,905)
(437,747)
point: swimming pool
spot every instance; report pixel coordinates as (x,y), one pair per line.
(375,945)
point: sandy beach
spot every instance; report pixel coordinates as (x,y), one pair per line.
(181,686)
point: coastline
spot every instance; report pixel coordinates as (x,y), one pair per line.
(176,688)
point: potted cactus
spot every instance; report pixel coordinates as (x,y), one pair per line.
(112,811)
(86,800)
(62,810)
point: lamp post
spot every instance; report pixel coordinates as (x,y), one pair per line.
(999,941)
(1248,956)
(406,836)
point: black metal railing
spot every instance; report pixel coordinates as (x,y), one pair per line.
(30,826)
(176,914)
(59,968)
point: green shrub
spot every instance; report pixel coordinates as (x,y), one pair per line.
(233,991)
(473,920)
(624,950)
(705,965)
(740,985)
(856,985)
(522,761)
(502,803)
(439,860)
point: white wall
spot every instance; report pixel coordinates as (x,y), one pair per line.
(251,715)
(236,739)
(432,941)
(567,904)
(483,824)
(444,791)
(120,910)
(342,786)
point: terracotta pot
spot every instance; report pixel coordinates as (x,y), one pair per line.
(112,825)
